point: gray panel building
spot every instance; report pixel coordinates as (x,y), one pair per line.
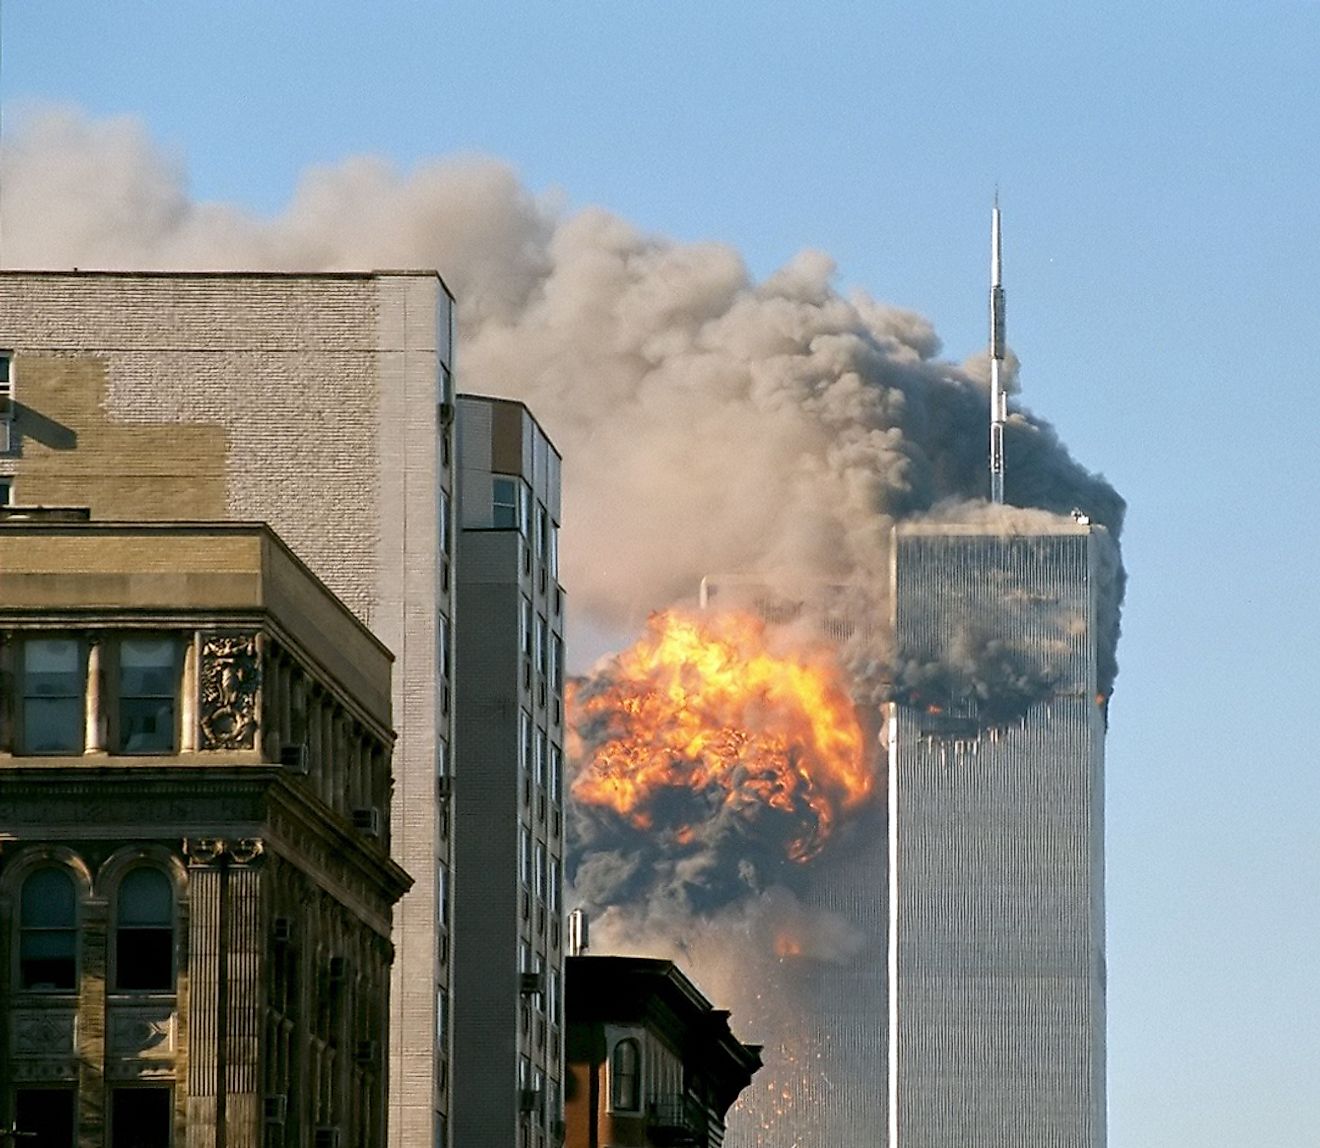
(996,839)
(508,783)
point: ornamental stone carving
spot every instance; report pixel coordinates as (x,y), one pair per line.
(245,850)
(229,676)
(203,850)
(142,1032)
(44,1032)
(209,850)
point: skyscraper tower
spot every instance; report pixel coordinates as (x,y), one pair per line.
(996,839)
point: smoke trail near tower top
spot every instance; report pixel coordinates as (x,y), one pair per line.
(708,422)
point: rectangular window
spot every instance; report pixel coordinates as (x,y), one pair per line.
(538,773)
(148,694)
(557,668)
(542,533)
(526,634)
(441,1017)
(554,550)
(527,743)
(52,699)
(442,525)
(552,886)
(442,642)
(6,491)
(140,1118)
(442,895)
(542,645)
(540,870)
(505,512)
(556,772)
(526,856)
(43,1117)
(6,402)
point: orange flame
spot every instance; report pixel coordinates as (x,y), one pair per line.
(787,945)
(703,704)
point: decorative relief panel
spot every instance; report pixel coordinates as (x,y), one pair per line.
(142,1031)
(229,676)
(44,1032)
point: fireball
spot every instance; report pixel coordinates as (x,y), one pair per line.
(702,719)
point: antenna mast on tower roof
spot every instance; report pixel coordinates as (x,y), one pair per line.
(998,399)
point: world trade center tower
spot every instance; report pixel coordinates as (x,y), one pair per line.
(996,967)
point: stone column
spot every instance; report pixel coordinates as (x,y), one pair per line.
(245,1007)
(93,968)
(188,699)
(206,1113)
(94,724)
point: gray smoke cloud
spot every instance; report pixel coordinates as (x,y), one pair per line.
(709,422)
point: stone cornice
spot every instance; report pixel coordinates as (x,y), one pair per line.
(222,804)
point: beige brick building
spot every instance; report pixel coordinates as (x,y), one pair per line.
(195,882)
(320,404)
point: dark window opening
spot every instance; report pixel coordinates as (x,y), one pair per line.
(144,934)
(140,1118)
(48,932)
(43,1117)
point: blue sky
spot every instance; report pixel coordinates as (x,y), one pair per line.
(1159,171)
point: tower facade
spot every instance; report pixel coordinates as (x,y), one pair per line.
(321,404)
(996,839)
(508,783)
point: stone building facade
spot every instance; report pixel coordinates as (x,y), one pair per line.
(195,881)
(323,405)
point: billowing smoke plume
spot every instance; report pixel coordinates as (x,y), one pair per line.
(710,424)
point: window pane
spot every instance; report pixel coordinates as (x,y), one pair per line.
(53,725)
(48,900)
(146,667)
(50,668)
(144,941)
(627,1094)
(504,502)
(140,1118)
(145,898)
(146,725)
(44,1117)
(46,959)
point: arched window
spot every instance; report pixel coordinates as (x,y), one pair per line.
(48,932)
(626,1077)
(144,931)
